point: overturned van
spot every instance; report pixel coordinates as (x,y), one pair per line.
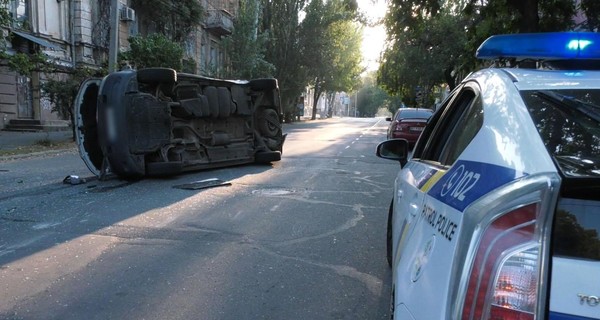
(156,121)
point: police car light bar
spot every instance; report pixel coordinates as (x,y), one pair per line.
(541,46)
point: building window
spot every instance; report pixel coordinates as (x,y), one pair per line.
(22,10)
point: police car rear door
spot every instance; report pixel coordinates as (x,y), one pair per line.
(424,270)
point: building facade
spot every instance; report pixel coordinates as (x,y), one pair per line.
(75,33)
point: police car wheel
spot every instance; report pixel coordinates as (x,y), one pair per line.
(389,234)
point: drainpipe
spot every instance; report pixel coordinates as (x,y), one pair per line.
(72,33)
(114,36)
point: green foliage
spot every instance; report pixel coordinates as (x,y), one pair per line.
(591,8)
(305,52)
(25,63)
(62,91)
(5,16)
(342,63)
(280,21)
(431,44)
(155,50)
(246,47)
(371,97)
(189,66)
(330,46)
(174,18)
(424,56)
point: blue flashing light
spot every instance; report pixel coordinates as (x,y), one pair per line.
(541,46)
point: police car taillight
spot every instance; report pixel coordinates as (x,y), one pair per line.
(495,289)
(506,261)
(515,290)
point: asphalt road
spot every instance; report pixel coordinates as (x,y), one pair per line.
(301,239)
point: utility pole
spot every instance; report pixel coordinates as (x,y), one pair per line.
(355,103)
(113,49)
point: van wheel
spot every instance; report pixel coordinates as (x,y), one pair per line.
(157,75)
(389,244)
(268,123)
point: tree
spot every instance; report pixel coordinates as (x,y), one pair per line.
(371,97)
(246,46)
(280,21)
(176,19)
(155,50)
(61,89)
(344,56)
(330,43)
(591,8)
(432,42)
(424,56)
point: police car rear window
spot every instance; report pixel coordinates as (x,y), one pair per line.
(576,229)
(568,122)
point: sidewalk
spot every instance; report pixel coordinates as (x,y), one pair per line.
(10,140)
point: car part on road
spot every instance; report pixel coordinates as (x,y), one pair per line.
(203,184)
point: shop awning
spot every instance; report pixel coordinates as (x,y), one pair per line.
(40,41)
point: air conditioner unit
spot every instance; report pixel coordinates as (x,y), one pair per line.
(127,14)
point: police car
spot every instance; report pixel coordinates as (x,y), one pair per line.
(496,215)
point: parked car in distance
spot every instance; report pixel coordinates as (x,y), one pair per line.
(157,121)
(408,123)
(496,214)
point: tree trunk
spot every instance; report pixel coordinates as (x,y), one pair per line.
(528,9)
(330,102)
(315,102)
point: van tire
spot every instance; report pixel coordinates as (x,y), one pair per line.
(268,123)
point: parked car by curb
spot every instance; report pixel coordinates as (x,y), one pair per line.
(408,123)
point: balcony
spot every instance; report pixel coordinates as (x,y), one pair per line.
(219,22)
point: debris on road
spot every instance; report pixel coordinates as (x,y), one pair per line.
(73,180)
(203,184)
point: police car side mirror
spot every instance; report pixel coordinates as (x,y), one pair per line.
(388,119)
(394,149)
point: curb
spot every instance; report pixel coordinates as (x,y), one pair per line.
(38,154)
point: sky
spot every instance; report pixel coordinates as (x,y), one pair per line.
(373,37)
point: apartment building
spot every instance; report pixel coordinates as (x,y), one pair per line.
(74,33)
